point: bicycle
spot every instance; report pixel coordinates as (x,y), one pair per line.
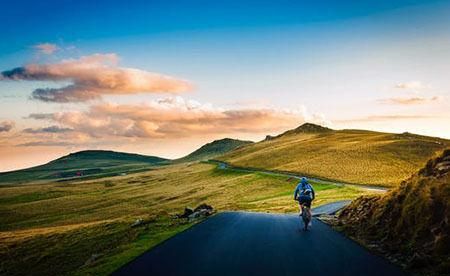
(305,215)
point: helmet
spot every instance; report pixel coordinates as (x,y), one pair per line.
(304,180)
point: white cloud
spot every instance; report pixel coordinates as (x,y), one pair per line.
(46,48)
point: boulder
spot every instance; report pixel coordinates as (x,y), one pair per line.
(92,259)
(137,223)
(187,212)
(203,206)
(203,210)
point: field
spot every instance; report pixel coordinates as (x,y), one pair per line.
(84,227)
(353,156)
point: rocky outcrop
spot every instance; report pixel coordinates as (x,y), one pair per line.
(201,211)
(410,224)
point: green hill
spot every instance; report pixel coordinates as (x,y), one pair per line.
(410,224)
(214,149)
(354,156)
(90,163)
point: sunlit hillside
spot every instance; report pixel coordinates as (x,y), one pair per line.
(355,156)
(410,223)
(69,222)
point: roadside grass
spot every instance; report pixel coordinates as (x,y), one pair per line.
(149,237)
(353,156)
(409,224)
(84,227)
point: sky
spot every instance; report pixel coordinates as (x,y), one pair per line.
(164,77)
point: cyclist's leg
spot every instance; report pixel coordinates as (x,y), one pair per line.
(308,210)
(305,217)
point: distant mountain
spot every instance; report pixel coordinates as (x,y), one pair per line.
(355,156)
(107,155)
(411,223)
(90,163)
(214,149)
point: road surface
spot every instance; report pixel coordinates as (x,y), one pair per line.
(330,208)
(243,243)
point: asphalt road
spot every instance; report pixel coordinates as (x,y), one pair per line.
(242,243)
(330,208)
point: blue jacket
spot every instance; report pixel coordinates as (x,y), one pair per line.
(302,186)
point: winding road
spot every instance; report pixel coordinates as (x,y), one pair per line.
(226,166)
(246,243)
(243,243)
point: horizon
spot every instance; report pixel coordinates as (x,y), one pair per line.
(193,150)
(79,76)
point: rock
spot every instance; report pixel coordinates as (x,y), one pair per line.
(418,261)
(92,259)
(203,207)
(187,212)
(137,223)
(203,210)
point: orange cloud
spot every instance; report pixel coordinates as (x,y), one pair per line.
(379,118)
(6,126)
(172,118)
(50,129)
(91,77)
(409,100)
(46,48)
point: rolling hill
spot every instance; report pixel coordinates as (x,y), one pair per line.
(410,223)
(56,228)
(90,163)
(214,149)
(101,163)
(354,156)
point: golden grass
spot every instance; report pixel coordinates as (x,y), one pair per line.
(43,224)
(410,223)
(360,157)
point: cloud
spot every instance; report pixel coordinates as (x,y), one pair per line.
(40,116)
(50,129)
(45,144)
(6,126)
(408,100)
(91,77)
(46,48)
(378,118)
(173,117)
(414,85)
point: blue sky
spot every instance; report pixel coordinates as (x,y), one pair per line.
(378,65)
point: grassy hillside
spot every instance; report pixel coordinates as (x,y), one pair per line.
(101,163)
(91,163)
(411,223)
(214,149)
(355,156)
(56,228)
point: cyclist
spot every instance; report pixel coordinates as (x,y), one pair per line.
(304,194)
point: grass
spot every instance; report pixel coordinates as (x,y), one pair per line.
(94,164)
(56,228)
(213,149)
(353,156)
(85,165)
(410,224)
